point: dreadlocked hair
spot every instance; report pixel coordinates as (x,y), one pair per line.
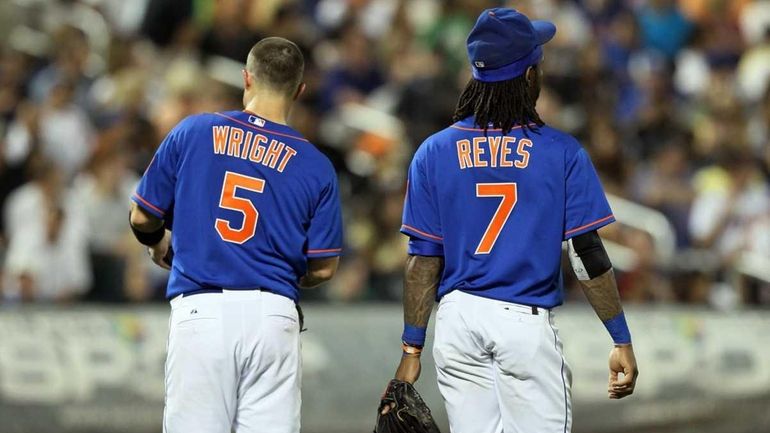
(502,104)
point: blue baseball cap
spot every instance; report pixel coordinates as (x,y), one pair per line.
(504,43)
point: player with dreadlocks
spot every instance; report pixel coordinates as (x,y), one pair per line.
(489,202)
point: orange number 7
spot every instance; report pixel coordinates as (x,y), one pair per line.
(508,192)
(228,200)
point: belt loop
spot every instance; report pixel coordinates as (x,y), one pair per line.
(534,311)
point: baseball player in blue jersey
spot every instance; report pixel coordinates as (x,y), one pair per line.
(256,216)
(490,200)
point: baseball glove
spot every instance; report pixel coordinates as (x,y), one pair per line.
(410,413)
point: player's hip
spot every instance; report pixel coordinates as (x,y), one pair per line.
(519,340)
(485,301)
(185,283)
(467,324)
(542,293)
(232,308)
(487,317)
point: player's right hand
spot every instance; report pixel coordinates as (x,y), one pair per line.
(408,371)
(158,251)
(622,360)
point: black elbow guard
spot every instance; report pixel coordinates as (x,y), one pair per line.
(588,257)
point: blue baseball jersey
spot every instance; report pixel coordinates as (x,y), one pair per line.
(498,207)
(252,200)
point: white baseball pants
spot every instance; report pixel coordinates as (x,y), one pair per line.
(500,367)
(233,364)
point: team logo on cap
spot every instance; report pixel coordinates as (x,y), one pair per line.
(479,64)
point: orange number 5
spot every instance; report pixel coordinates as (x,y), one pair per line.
(508,192)
(228,200)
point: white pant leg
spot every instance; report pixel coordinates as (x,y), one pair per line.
(200,372)
(533,379)
(269,391)
(233,363)
(466,376)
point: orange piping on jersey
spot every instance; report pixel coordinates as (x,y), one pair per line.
(601,220)
(261,129)
(150,205)
(488,130)
(422,232)
(328,250)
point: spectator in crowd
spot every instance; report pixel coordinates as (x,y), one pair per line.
(754,69)
(47,258)
(59,129)
(27,206)
(758,133)
(357,74)
(665,184)
(52,267)
(70,53)
(730,217)
(730,198)
(228,34)
(449,29)
(100,192)
(664,27)
(163,20)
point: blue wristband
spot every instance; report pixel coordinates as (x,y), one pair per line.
(413,335)
(618,329)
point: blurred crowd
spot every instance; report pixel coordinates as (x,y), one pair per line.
(670,97)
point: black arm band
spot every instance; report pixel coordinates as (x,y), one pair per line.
(588,257)
(148,239)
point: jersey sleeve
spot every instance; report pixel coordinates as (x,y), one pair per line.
(421,216)
(325,232)
(155,192)
(419,247)
(586,206)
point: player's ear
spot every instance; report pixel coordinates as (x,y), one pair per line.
(300,90)
(531,76)
(246,79)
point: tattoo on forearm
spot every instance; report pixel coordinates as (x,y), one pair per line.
(420,284)
(602,294)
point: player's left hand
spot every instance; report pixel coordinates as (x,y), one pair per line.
(159,251)
(622,360)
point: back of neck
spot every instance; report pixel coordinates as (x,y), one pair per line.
(270,108)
